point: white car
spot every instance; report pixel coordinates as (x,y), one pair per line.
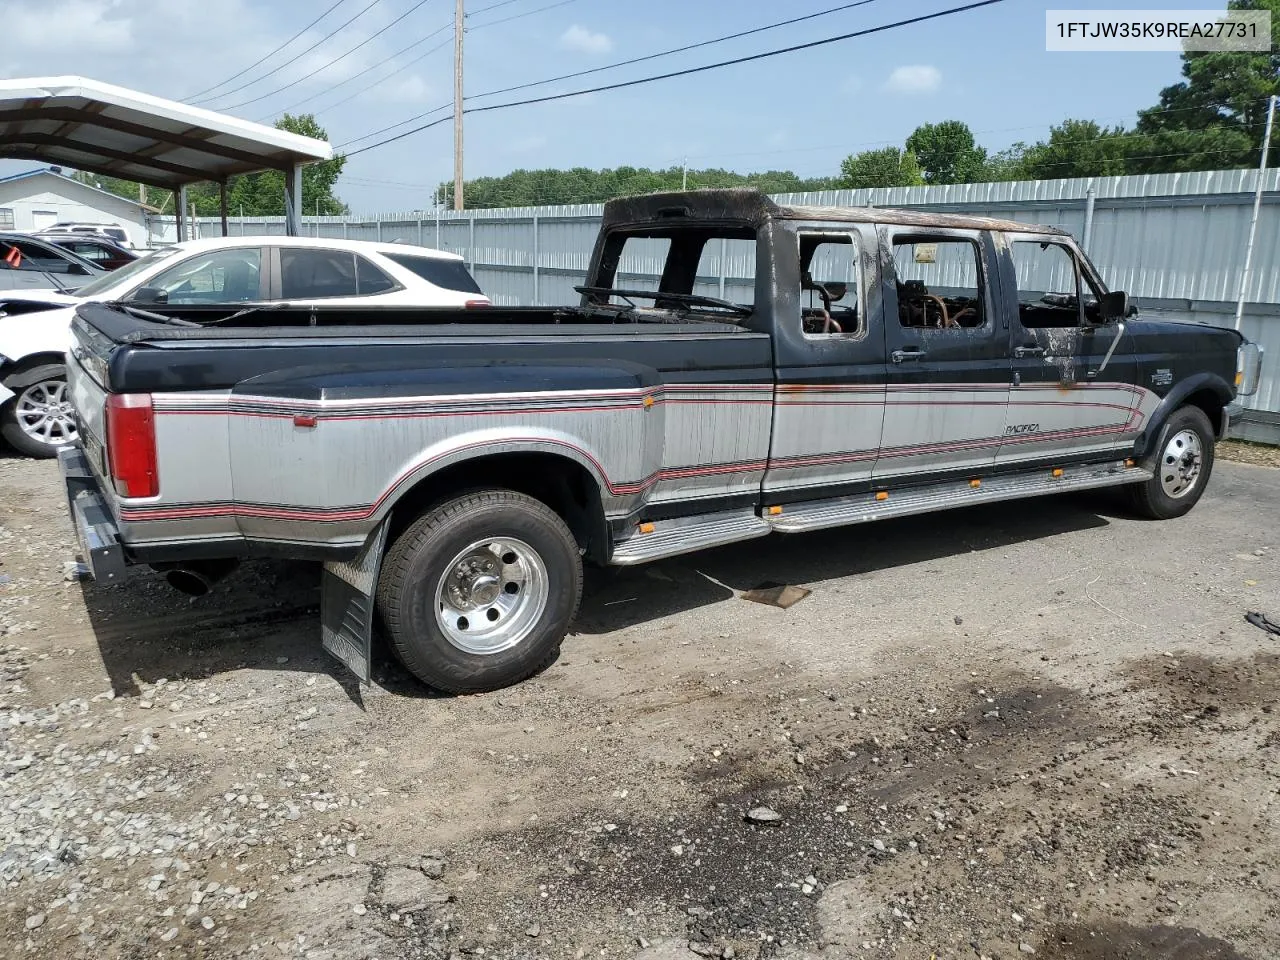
(35,327)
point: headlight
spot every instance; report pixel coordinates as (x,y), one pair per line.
(1248,369)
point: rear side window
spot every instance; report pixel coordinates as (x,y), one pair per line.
(315,274)
(446,274)
(318,274)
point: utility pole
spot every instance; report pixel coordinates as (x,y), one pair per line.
(458,18)
(684,174)
(1257,203)
(142,194)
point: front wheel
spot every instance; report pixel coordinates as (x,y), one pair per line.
(479,592)
(37,420)
(1180,467)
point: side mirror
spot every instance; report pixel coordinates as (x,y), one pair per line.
(150,295)
(1114,306)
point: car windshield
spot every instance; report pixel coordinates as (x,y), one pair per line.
(120,280)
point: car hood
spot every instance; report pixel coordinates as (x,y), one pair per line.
(42,296)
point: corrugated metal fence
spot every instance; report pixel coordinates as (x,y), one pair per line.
(1176,242)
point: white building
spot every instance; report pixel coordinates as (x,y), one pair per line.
(40,198)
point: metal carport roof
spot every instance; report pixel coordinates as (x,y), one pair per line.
(101,128)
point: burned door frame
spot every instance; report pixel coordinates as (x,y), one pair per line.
(830,388)
(947,389)
(1064,404)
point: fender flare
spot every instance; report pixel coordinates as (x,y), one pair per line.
(469,448)
(24,374)
(1150,438)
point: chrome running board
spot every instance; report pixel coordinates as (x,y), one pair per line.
(669,538)
(839,512)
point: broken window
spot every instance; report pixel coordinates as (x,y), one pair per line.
(696,264)
(830,286)
(939,283)
(1048,284)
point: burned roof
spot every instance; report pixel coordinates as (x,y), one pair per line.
(753,207)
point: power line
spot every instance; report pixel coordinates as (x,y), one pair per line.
(295,59)
(326,66)
(674,50)
(390,59)
(492,6)
(518,16)
(688,71)
(236,76)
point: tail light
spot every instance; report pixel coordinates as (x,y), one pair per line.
(476,304)
(131,444)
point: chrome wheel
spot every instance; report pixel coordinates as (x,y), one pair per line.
(1181,463)
(44,413)
(491,596)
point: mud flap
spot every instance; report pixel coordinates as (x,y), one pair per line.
(346,605)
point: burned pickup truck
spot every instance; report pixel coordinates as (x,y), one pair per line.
(455,468)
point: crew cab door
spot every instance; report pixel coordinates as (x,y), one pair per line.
(948,353)
(1072,393)
(829,356)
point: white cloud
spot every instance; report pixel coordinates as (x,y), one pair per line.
(80,25)
(914,79)
(585,41)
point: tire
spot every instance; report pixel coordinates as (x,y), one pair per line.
(1180,466)
(41,388)
(478,593)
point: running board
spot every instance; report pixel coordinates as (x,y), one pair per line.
(668,538)
(823,514)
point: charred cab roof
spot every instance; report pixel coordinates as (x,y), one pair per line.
(754,208)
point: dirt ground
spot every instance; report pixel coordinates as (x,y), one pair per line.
(1040,728)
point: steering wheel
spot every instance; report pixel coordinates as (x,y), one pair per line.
(829,323)
(946,317)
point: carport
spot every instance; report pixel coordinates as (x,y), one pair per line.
(100,128)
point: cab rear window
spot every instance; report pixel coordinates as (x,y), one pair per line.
(446,274)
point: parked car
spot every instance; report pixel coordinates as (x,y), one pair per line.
(106,253)
(112,231)
(35,328)
(881,363)
(28,263)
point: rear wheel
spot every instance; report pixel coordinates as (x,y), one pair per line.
(37,420)
(479,592)
(1180,467)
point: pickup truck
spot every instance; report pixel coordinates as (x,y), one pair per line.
(454,468)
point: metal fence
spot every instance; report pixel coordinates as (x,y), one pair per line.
(1175,242)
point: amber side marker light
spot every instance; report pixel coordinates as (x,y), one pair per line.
(1131,463)
(775,511)
(975,484)
(1057,472)
(646,527)
(882,495)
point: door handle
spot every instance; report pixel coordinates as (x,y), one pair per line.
(1034,351)
(910,353)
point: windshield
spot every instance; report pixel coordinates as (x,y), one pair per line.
(118,280)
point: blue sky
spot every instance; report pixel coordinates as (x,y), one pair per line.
(803,111)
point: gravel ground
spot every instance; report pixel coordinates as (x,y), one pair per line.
(1037,729)
(1241,451)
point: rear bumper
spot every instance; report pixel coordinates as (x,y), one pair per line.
(96,529)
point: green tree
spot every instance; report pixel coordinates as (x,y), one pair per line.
(523,188)
(887,167)
(1078,148)
(1007,164)
(947,152)
(1215,116)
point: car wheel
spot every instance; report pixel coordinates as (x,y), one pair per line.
(38,419)
(1180,467)
(479,592)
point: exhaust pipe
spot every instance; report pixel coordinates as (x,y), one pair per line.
(197,579)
